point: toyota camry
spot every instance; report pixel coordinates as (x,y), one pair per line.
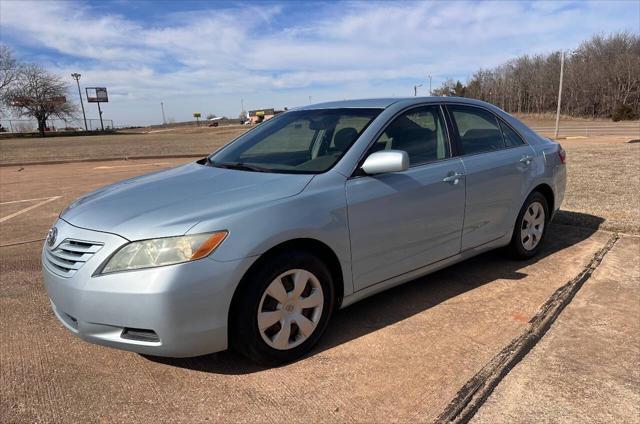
(257,245)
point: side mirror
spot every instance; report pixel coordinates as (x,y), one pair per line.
(386,161)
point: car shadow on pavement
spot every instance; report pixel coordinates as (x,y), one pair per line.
(404,301)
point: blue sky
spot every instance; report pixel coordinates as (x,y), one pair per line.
(198,56)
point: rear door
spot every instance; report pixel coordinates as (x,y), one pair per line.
(402,221)
(497,165)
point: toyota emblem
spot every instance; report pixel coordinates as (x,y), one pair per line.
(52,236)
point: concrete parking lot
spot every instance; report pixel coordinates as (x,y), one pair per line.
(405,355)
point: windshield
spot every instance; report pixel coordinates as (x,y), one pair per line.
(305,141)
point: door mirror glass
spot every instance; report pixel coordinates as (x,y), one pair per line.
(386,161)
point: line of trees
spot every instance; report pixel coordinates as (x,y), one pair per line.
(29,90)
(601,79)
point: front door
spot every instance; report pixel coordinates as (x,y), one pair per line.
(403,221)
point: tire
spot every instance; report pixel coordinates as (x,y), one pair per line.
(530,228)
(282,313)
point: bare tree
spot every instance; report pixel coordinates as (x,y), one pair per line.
(451,88)
(602,76)
(39,94)
(8,72)
(8,67)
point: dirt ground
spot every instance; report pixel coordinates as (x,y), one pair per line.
(399,356)
(603,183)
(162,142)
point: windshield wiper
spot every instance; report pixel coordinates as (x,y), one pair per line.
(238,165)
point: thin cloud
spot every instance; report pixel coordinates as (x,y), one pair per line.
(272,53)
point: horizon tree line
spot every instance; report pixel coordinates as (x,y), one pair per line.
(601,79)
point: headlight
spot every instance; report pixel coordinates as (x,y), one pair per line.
(163,251)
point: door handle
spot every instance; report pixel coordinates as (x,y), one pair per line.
(526,159)
(453,178)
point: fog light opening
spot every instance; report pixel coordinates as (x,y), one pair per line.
(140,334)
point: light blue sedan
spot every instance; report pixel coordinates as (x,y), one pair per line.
(257,245)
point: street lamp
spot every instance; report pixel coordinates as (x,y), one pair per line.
(76,76)
(430,92)
(415,89)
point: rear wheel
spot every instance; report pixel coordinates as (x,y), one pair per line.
(531,227)
(283,308)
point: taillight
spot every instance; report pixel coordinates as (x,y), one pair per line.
(562,155)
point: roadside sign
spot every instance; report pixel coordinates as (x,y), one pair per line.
(97,95)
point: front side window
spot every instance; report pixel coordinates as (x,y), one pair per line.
(306,141)
(420,132)
(478,130)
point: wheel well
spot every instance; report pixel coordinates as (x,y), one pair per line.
(313,246)
(547,192)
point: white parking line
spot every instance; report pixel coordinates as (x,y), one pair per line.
(25,200)
(20,212)
(131,166)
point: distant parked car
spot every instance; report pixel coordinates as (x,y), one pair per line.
(214,121)
(257,245)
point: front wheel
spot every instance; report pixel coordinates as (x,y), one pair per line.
(283,308)
(531,227)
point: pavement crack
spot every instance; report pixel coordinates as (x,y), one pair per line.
(476,391)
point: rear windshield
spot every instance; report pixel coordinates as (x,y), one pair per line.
(305,141)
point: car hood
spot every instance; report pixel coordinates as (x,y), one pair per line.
(170,202)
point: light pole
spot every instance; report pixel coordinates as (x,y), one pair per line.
(430,92)
(415,89)
(76,76)
(164,120)
(572,53)
(559,93)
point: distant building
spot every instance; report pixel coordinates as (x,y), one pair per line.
(259,115)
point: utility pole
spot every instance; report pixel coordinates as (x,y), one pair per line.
(415,89)
(559,93)
(430,92)
(164,120)
(76,76)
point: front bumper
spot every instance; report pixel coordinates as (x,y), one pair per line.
(185,305)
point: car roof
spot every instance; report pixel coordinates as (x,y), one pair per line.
(383,103)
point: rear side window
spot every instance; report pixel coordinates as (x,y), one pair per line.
(511,138)
(478,130)
(420,132)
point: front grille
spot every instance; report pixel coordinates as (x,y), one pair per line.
(69,256)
